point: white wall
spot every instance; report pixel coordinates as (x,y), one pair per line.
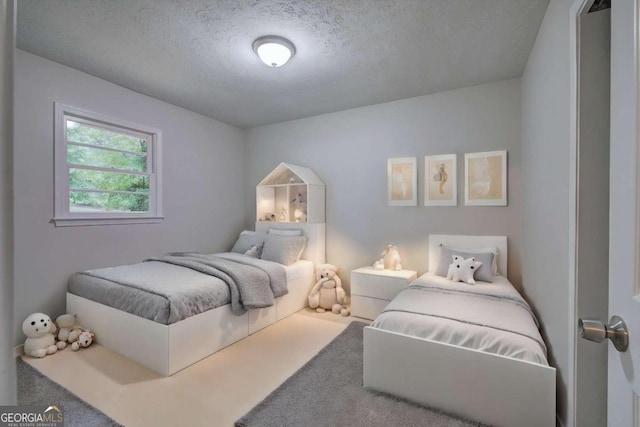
(545,189)
(349,151)
(7,48)
(203,185)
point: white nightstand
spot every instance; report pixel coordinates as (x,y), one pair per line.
(371,290)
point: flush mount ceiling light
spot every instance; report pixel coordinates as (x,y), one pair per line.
(274,51)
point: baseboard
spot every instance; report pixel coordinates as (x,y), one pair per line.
(18,351)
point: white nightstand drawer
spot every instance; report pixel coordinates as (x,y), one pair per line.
(381,284)
(367,308)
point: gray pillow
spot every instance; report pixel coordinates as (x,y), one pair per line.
(283,249)
(247,239)
(285,232)
(483,273)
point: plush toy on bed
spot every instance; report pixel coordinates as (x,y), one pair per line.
(39,330)
(327,293)
(462,270)
(68,331)
(84,340)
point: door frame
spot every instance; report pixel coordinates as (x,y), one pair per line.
(7,53)
(578,8)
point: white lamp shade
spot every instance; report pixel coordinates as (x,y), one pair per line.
(273,50)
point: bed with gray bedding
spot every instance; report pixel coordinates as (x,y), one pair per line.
(490,317)
(170,288)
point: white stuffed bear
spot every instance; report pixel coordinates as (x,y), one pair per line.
(462,270)
(327,293)
(84,340)
(68,331)
(39,330)
(391,258)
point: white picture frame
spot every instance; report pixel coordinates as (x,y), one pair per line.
(402,181)
(441,180)
(485,178)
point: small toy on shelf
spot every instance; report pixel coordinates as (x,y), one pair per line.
(300,213)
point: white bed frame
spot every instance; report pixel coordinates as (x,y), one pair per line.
(167,349)
(485,387)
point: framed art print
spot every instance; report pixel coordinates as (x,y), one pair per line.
(440,180)
(485,178)
(402,181)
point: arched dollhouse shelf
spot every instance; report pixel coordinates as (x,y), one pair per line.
(290,194)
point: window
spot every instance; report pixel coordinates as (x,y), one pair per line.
(107,171)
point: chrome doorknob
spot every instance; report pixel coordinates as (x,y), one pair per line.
(595,330)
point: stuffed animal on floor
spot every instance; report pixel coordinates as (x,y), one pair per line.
(40,331)
(327,293)
(68,331)
(462,270)
(84,340)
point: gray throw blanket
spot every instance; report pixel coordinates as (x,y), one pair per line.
(250,286)
(276,271)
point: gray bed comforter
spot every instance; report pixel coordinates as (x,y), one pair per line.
(172,287)
(490,317)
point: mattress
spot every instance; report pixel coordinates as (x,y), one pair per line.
(490,317)
(200,292)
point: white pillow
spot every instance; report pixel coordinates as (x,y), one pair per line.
(487,249)
(462,270)
(285,232)
(483,273)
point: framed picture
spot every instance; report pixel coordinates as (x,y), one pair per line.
(402,180)
(440,180)
(485,178)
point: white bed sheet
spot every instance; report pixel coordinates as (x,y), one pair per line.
(470,334)
(298,269)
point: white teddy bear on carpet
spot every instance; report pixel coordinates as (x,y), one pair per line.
(462,270)
(68,331)
(84,340)
(39,330)
(327,293)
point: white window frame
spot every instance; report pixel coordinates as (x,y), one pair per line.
(62,215)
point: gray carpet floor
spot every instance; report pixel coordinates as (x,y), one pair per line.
(327,391)
(36,389)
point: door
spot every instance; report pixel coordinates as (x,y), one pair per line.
(623,403)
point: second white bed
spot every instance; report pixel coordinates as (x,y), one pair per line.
(460,374)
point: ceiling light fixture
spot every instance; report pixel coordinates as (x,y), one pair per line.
(274,51)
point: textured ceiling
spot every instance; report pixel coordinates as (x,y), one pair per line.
(197,53)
